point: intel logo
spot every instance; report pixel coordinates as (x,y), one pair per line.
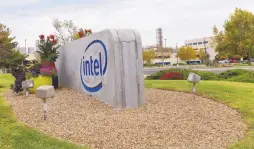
(93,66)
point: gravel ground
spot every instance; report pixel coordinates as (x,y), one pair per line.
(168,120)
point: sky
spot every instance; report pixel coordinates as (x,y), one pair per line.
(179,19)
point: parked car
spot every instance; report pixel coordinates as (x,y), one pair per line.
(224,62)
(233,61)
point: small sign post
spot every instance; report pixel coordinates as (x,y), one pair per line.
(44,92)
(27,84)
(194,78)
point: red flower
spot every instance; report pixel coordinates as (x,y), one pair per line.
(81,34)
(54,41)
(51,37)
(41,37)
(90,31)
(171,76)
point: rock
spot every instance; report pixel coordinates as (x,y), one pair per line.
(45,91)
(28,84)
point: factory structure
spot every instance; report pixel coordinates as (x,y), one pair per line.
(168,55)
(30,51)
(202,43)
(159,37)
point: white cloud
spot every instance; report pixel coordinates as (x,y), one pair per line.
(180,19)
(8,3)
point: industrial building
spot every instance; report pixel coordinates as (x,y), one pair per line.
(205,43)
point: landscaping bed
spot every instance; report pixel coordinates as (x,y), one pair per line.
(236,95)
(171,120)
(14,135)
(234,75)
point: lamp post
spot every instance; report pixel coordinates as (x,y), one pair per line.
(25,45)
(205,47)
(163,52)
(177,54)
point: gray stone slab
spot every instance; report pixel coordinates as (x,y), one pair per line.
(194,78)
(45,91)
(28,84)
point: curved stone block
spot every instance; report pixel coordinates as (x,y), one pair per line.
(107,65)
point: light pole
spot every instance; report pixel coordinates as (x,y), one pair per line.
(177,54)
(206,58)
(205,45)
(25,45)
(163,52)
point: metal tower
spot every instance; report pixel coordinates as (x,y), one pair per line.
(159,38)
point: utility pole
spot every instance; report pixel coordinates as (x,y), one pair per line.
(177,55)
(205,49)
(205,45)
(163,51)
(25,45)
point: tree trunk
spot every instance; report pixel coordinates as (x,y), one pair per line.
(249,57)
(249,60)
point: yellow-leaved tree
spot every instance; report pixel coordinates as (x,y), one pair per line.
(202,54)
(148,55)
(186,53)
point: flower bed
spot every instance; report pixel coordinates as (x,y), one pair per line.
(171,76)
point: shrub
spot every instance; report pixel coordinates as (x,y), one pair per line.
(238,75)
(247,78)
(155,76)
(232,73)
(205,75)
(171,76)
(235,75)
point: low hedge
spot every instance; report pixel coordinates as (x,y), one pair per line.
(171,76)
(205,75)
(235,75)
(238,75)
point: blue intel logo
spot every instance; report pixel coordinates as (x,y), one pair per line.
(93,66)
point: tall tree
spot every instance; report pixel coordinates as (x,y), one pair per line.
(237,36)
(9,57)
(187,53)
(65,30)
(148,55)
(202,54)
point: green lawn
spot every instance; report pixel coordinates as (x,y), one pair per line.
(14,135)
(236,95)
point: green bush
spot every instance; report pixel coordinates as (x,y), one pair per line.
(156,76)
(233,73)
(247,78)
(238,75)
(205,75)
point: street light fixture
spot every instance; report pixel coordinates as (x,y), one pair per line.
(25,45)
(177,54)
(205,48)
(163,52)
